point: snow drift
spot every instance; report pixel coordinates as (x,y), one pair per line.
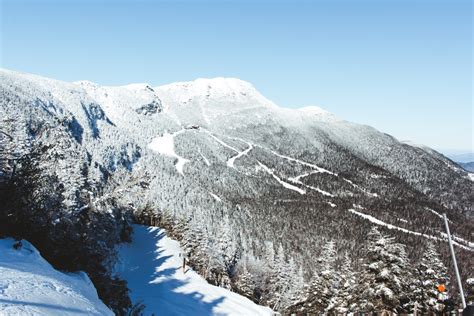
(29,285)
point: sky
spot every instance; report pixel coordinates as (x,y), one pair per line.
(402,66)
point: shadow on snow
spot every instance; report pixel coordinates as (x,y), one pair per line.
(157,289)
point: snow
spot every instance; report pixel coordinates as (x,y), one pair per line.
(416,145)
(314,110)
(165,145)
(152,265)
(317,113)
(206,161)
(29,285)
(360,188)
(436,213)
(304,163)
(319,190)
(215,88)
(218,199)
(304,175)
(231,161)
(458,239)
(390,226)
(470,175)
(377,176)
(297,180)
(233,110)
(220,141)
(283,183)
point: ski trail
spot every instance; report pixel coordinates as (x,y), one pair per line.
(360,188)
(390,226)
(152,264)
(319,169)
(206,161)
(437,214)
(459,239)
(297,181)
(204,114)
(304,175)
(220,141)
(317,190)
(218,199)
(165,145)
(283,183)
(230,162)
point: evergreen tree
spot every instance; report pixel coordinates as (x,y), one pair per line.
(386,273)
(280,280)
(431,272)
(344,297)
(296,288)
(271,275)
(245,284)
(470,291)
(322,286)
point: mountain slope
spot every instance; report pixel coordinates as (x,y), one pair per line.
(252,178)
(30,286)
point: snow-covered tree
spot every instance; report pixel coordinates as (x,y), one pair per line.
(278,280)
(344,296)
(470,291)
(384,280)
(296,285)
(244,283)
(322,286)
(430,272)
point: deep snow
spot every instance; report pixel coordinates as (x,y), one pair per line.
(165,146)
(29,285)
(152,265)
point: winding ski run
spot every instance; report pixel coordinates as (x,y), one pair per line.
(390,226)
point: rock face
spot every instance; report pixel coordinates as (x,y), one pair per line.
(249,175)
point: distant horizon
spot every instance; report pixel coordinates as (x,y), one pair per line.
(355,59)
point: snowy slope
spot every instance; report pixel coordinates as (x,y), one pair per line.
(152,265)
(30,286)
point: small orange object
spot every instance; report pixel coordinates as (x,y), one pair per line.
(441,288)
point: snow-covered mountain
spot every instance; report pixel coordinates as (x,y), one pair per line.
(253,179)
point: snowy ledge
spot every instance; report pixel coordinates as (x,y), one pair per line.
(29,285)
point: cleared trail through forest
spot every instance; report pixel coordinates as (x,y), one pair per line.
(153,267)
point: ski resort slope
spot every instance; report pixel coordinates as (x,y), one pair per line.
(29,285)
(152,266)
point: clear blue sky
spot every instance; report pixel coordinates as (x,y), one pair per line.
(404,67)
